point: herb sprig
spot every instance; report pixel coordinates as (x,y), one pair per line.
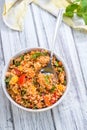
(79,7)
(38,54)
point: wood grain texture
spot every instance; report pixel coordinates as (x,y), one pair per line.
(14,42)
(6,121)
(63,48)
(39,27)
(81,48)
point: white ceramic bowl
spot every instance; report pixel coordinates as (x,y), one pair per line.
(27,109)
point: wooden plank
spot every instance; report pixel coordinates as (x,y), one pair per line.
(5,113)
(81,48)
(63,47)
(42,40)
(6,120)
(13,42)
(76,95)
(41,35)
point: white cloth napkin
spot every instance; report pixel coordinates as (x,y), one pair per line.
(15,10)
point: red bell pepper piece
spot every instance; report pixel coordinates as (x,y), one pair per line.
(21,80)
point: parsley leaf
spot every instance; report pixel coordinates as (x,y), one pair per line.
(7,79)
(56,63)
(79,7)
(53,88)
(70,10)
(38,54)
(17,63)
(22,57)
(72,7)
(83,3)
(47,79)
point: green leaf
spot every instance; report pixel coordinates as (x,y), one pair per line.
(84,3)
(35,55)
(65,82)
(38,54)
(70,10)
(72,7)
(79,7)
(69,14)
(79,11)
(53,88)
(47,79)
(17,63)
(22,57)
(56,63)
(7,79)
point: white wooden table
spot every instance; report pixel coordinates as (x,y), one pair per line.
(39,26)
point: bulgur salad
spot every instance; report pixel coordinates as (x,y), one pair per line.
(29,87)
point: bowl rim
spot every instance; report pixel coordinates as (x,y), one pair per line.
(28,109)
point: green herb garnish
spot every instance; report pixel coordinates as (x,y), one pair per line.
(17,63)
(7,79)
(38,54)
(79,7)
(56,63)
(47,79)
(60,69)
(53,88)
(22,57)
(65,82)
(35,55)
(71,9)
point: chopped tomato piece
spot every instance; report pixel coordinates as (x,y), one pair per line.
(53,100)
(46,100)
(55,95)
(18,72)
(21,79)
